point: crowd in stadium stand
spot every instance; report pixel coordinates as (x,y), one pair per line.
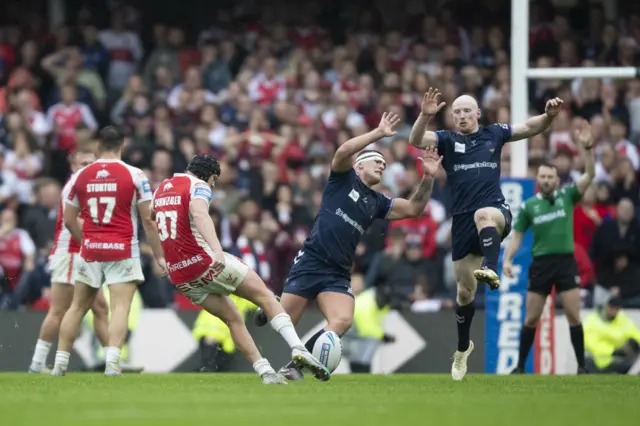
(272,94)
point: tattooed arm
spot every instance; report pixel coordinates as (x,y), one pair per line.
(414,206)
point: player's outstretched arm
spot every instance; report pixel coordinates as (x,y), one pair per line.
(419,136)
(584,138)
(342,158)
(414,206)
(538,124)
(70,218)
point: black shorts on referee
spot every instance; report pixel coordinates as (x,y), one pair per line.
(560,270)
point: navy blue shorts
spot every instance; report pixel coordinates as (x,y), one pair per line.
(464,234)
(309,286)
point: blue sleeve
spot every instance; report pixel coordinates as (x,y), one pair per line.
(384,205)
(502,131)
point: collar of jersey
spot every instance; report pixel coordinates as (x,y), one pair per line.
(540,197)
(107,160)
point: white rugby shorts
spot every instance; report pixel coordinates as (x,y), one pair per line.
(96,274)
(224,283)
(61,266)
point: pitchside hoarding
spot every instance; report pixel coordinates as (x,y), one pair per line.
(162,343)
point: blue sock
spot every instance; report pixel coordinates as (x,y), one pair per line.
(490,246)
(312,340)
(464,316)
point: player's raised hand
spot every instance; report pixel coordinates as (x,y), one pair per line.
(430,102)
(431,161)
(582,134)
(553,106)
(388,123)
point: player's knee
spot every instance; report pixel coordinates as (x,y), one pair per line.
(531,320)
(340,324)
(465,294)
(482,218)
(56,314)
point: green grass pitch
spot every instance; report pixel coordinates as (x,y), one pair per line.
(353,400)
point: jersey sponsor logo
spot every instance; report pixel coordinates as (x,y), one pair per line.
(103,245)
(168,201)
(476,165)
(102,174)
(354,195)
(350,221)
(549,217)
(102,187)
(167,186)
(185,263)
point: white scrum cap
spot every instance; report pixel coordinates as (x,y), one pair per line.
(369,155)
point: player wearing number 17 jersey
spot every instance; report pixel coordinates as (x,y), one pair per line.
(206,275)
(64,255)
(106,195)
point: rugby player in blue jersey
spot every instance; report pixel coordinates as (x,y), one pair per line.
(481,218)
(321,271)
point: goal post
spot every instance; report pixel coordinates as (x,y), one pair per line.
(521,73)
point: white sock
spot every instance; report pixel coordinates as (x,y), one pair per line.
(62,360)
(112,355)
(40,354)
(282,324)
(262,366)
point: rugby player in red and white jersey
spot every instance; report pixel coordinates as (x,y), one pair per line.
(199,268)
(61,260)
(106,195)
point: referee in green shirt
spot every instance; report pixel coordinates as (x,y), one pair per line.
(549,214)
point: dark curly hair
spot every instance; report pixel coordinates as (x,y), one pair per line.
(203,166)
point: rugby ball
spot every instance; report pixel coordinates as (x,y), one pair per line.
(328,350)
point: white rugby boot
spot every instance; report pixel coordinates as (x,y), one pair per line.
(486,275)
(273,378)
(112,369)
(303,358)
(459,366)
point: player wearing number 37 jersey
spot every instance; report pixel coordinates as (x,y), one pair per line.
(106,195)
(200,270)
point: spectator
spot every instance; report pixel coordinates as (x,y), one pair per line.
(26,162)
(611,339)
(17,261)
(8,183)
(587,217)
(616,253)
(125,51)
(40,220)
(165,56)
(65,116)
